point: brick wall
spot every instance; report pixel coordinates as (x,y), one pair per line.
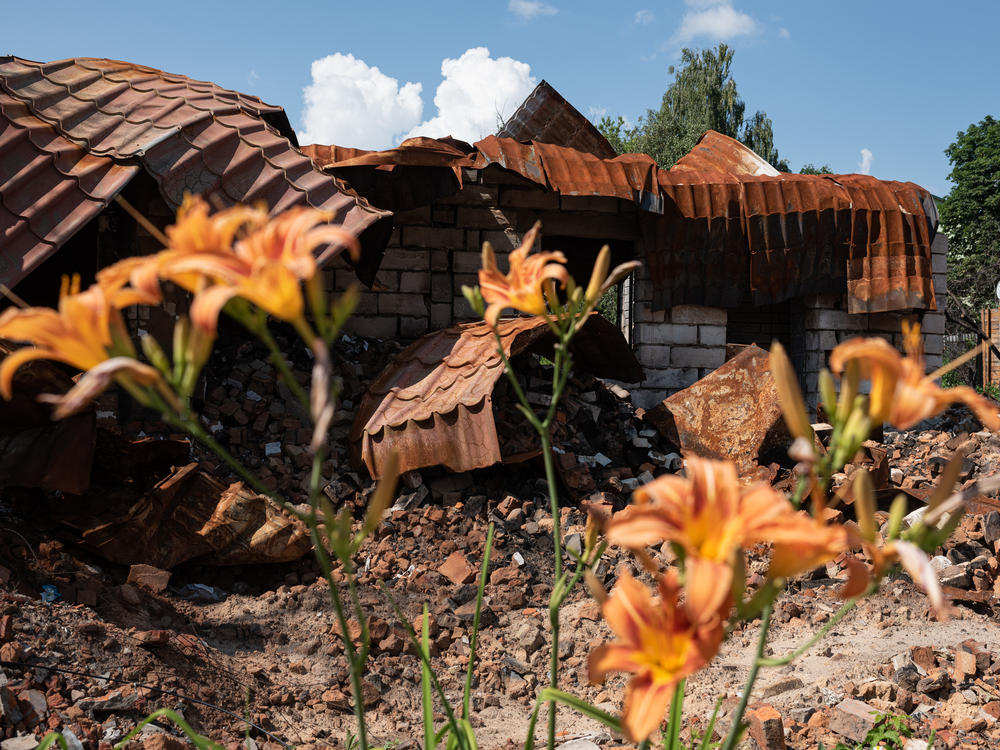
(435,250)
(675,347)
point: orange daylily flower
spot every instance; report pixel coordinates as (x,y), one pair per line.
(901,393)
(85,331)
(658,643)
(523,286)
(240,252)
(712,517)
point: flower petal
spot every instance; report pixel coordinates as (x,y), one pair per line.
(646,703)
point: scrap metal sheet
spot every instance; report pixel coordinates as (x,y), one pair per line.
(545,116)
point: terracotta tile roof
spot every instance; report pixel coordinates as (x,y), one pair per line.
(433,404)
(111,117)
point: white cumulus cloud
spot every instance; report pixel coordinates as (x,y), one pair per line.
(351,103)
(865,163)
(528,9)
(714,19)
(643,17)
(477,92)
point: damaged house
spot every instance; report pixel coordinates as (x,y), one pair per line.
(96,155)
(734,252)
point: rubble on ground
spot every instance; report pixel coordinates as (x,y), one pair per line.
(260,641)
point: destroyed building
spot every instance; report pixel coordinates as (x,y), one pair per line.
(734,252)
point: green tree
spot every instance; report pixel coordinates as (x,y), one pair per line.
(811,168)
(703,96)
(970,214)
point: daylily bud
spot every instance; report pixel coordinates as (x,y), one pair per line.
(828,394)
(598,275)
(154,353)
(595,587)
(789,395)
(864,504)
(475,299)
(896,514)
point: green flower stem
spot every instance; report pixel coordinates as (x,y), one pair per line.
(781,661)
(277,358)
(354,659)
(735,729)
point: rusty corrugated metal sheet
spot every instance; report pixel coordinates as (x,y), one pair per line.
(722,221)
(416,173)
(716,155)
(545,116)
(696,250)
(192,136)
(49,188)
(433,404)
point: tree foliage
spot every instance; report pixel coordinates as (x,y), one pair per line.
(703,96)
(811,168)
(970,214)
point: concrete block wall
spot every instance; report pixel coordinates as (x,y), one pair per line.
(437,249)
(675,347)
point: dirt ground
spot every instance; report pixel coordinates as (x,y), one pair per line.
(106,652)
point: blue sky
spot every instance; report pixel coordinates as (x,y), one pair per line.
(897,79)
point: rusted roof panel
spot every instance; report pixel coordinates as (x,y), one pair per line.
(716,155)
(433,404)
(696,250)
(192,136)
(415,173)
(723,221)
(545,116)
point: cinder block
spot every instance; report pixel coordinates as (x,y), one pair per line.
(379,328)
(696,314)
(528,198)
(413,328)
(644,313)
(406,260)
(939,263)
(712,335)
(670,379)
(933,323)
(441,315)
(441,290)
(443,215)
(829,319)
(440,260)
(415,281)
(653,355)
(443,238)
(589,203)
(482,218)
(503,242)
(402,304)
(689,356)
(934,343)
(472,194)
(415,216)
(666,333)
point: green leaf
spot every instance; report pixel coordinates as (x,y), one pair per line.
(581,706)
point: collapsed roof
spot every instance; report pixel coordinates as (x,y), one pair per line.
(720,223)
(433,404)
(74,132)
